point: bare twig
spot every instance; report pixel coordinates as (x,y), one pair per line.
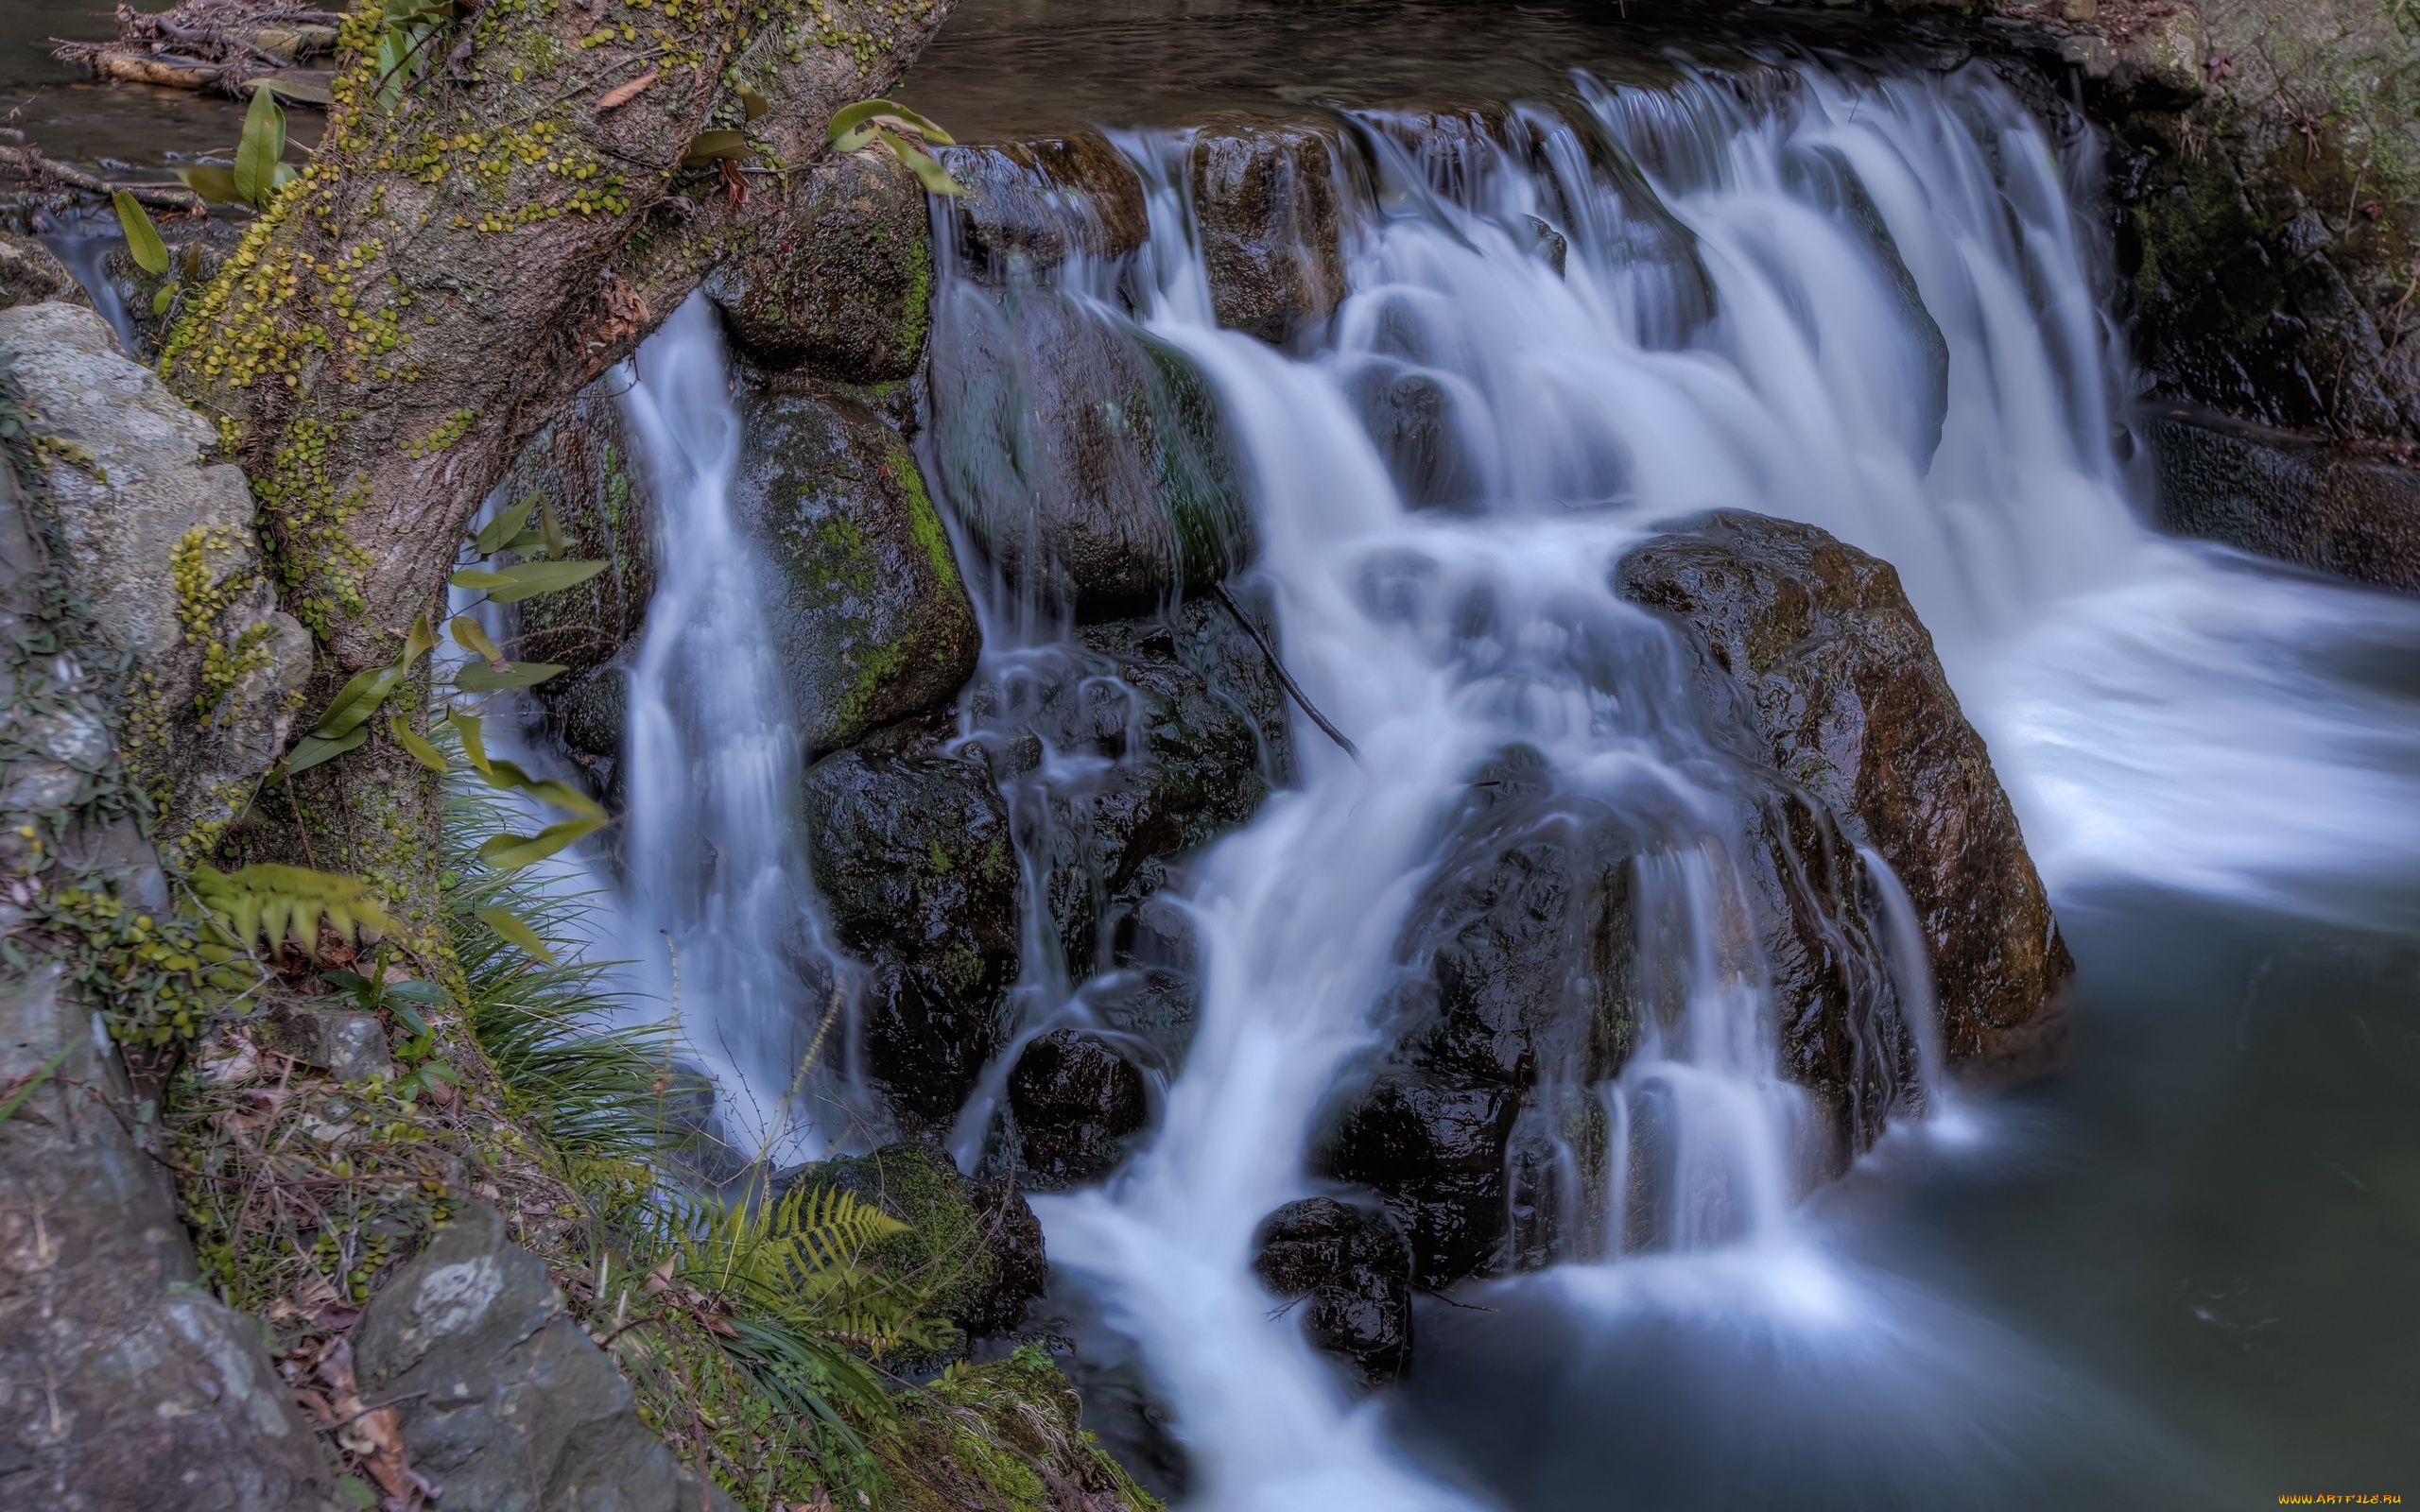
(1285,680)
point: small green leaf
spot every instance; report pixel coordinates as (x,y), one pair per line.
(714,146)
(212,183)
(479,577)
(865,111)
(428,993)
(481,678)
(358,1491)
(309,91)
(142,238)
(475,745)
(165,297)
(356,701)
(418,642)
(550,529)
(511,929)
(422,751)
(529,579)
(258,150)
(193,262)
(753,103)
(493,537)
(470,637)
(928,170)
(510,852)
(312,749)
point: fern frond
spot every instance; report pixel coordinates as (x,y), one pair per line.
(277,903)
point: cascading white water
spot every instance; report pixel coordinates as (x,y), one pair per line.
(717,893)
(1585,408)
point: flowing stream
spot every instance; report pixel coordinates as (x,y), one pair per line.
(1871,304)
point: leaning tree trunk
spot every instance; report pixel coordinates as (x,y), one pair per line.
(443,278)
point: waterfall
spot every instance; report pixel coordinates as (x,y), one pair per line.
(718,899)
(1868,304)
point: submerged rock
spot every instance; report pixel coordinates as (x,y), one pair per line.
(1846,695)
(910,848)
(1351,1269)
(503,1399)
(1270,198)
(867,611)
(161,543)
(1088,458)
(841,285)
(1076,1103)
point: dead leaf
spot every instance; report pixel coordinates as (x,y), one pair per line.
(660,1278)
(621,94)
(232,1061)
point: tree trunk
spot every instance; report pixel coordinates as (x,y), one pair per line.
(443,279)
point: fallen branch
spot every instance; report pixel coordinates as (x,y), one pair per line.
(1284,679)
(28,163)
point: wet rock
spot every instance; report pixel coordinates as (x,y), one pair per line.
(161,543)
(1852,704)
(980,1234)
(30,273)
(124,1382)
(1546,941)
(868,613)
(1409,415)
(1010,1433)
(1120,488)
(1350,1268)
(1075,1102)
(1034,204)
(504,1400)
(911,852)
(581,463)
(2296,498)
(840,286)
(1167,731)
(348,1044)
(1267,196)
(1269,200)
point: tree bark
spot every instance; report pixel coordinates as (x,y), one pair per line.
(444,279)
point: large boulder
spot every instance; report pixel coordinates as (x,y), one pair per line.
(1844,690)
(160,544)
(503,1400)
(1525,965)
(1087,457)
(911,852)
(124,1382)
(1270,198)
(1075,1102)
(841,284)
(868,613)
(1350,1269)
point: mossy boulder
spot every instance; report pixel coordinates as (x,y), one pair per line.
(1006,1437)
(865,610)
(1088,458)
(911,852)
(972,1247)
(1032,205)
(841,285)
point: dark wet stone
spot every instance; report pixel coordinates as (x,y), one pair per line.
(582,464)
(1351,1269)
(912,853)
(1075,1102)
(841,285)
(1037,202)
(1411,417)
(865,608)
(1089,460)
(1849,698)
(978,1235)
(1270,205)
(2296,498)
